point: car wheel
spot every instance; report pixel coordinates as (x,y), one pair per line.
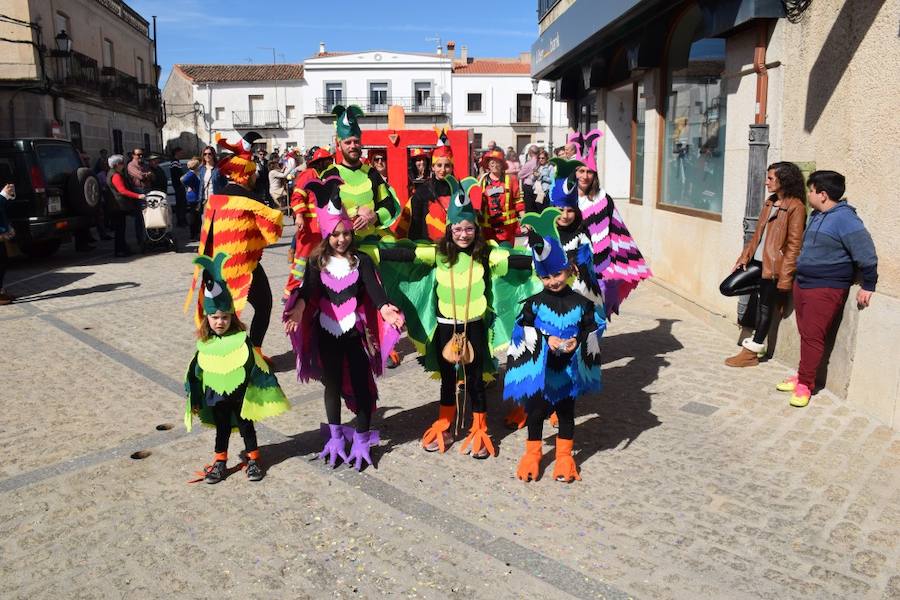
(39,248)
(84,192)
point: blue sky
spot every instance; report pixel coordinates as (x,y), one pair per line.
(194,31)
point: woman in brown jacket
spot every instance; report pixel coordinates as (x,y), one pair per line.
(774,248)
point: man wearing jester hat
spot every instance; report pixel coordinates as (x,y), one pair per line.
(235,222)
(364,193)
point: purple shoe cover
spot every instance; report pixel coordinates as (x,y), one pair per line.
(335,446)
(359,452)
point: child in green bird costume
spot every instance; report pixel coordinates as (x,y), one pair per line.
(461,299)
(229,384)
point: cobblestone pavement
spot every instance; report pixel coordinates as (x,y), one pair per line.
(699,481)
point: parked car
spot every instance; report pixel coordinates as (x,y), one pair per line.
(55,194)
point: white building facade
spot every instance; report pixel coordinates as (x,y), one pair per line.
(234,100)
(375,81)
(495,99)
(290,104)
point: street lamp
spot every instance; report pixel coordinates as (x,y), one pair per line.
(552,96)
(63,43)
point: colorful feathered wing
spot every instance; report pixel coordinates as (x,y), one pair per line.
(379,339)
(240,227)
(617,261)
(221,365)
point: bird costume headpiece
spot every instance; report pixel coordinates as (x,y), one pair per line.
(462,194)
(586,147)
(564,189)
(346,124)
(546,249)
(329,208)
(216,295)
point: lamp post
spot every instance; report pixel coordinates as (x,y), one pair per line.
(63,43)
(552,96)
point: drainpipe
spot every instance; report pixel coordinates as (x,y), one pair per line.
(759,144)
(759,136)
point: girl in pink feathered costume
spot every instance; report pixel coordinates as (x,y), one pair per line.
(342,328)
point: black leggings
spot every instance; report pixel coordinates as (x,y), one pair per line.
(541,409)
(259,296)
(333,351)
(222,413)
(765,307)
(474,372)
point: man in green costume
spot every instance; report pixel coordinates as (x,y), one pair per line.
(364,193)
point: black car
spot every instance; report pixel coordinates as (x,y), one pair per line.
(55,194)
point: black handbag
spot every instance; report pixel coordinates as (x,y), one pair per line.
(742,281)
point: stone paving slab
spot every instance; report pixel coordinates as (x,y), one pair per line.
(699,480)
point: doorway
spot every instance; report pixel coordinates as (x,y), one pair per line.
(617,142)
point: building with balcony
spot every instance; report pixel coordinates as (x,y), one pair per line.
(695,98)
(375,81)
(84,70)
(202,100)
(496,99)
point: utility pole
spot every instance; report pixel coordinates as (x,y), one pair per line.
(277,113)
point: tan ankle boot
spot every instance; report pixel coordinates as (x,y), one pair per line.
(744,358)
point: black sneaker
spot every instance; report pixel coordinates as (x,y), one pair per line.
(216,473)
(254,473)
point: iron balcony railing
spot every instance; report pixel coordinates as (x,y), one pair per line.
(370,105)
(258,119)
(525,116)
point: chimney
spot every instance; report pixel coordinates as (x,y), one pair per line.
(321,48)
(440,49)
(451,49)
(464,54)
(525,57)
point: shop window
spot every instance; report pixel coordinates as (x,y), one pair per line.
(693,156)
(473,102)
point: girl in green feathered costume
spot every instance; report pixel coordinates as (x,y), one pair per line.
(228,383)
(464,285)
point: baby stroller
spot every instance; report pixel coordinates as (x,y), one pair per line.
(158,222)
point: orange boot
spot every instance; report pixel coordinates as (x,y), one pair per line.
(554,420)
(515,418)
(565,469)
(530,462)
(478,438)
(437,437)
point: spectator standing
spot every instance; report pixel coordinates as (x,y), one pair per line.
(138,171)
(8,192)
(211,180)
(101,164)
(512,162)
(278,185)
(837,248)
(176,171)
(543,180)
(190,182)
(527,174)
(124,194)
(158,180)
(139,176)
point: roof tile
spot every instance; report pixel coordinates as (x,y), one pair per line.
(213,73)
(492,67)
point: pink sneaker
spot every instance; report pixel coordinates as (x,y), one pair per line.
(800,397)
(787,385)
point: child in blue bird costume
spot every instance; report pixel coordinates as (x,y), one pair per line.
(554,354)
